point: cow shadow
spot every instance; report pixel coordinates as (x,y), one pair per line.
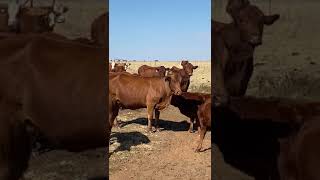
(128,139)
(166,125)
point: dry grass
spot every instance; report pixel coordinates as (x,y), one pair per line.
(200,81)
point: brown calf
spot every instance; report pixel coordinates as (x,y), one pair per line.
(135,92)
(204,115)
(188,105)
(148,71)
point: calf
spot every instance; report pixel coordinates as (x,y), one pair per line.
(204,116)
(188,105)
(233,47)
(185,73)
(135,92)
(148,71)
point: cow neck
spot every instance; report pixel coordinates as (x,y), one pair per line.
(167,87)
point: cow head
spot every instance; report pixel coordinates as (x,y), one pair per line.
(174,80)
(57,14)
(162,70)
(250,20)
(188,67)
(119,67)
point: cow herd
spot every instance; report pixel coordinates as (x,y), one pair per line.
(155,88)
(266,138)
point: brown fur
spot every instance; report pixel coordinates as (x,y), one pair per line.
(185,73)
(204,116)
(148,71)
(233,47)
(134,92)
(41,79)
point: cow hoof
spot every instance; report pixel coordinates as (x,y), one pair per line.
(158,130)
(191,131)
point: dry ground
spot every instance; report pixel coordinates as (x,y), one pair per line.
(286,65)
(168,154)
(62,165)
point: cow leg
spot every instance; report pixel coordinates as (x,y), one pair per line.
(191,125)
(150,109)
(203,131)
(15,146)
(157,116)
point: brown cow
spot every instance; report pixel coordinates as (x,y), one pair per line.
(148,71)
(135,92)
(41,79)
(204,116)
(185,73)
(188,103)
(233,47)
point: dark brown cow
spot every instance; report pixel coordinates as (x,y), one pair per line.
(233,47)
(59,87)
(135,92)
(148,71)
(188,105)
(185,73)
(248,130)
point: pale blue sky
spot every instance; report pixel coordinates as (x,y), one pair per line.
(160,29)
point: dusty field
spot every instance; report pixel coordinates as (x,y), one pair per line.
(168,154)
(286,65)
(62,165)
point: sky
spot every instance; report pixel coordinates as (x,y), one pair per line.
(160,29)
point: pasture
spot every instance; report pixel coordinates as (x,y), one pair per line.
(58,164)
(287,64)
(168,154)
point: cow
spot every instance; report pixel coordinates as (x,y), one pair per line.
(256,135)
(57,86)
(148,71)
(233,46)
(204,117)
(188,104)
(135,92)
(185,73)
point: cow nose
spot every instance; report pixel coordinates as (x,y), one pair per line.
(256,40)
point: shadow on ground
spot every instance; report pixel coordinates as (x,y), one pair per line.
(163,124)
(129,139)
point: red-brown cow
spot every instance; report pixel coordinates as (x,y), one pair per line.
(233,46)
(148,71)
(204,116)
(185,73)
(135,92)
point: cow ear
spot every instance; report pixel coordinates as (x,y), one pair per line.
(168,78)
(234,6)
(195,67)
(269,20)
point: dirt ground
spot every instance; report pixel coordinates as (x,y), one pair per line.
(168,154)
(287,64)
(63,165)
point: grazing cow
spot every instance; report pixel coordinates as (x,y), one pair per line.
(188,104)
(135,92)
(148,71)
(233,47)
(185,73)
(59,87)
(248,130)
